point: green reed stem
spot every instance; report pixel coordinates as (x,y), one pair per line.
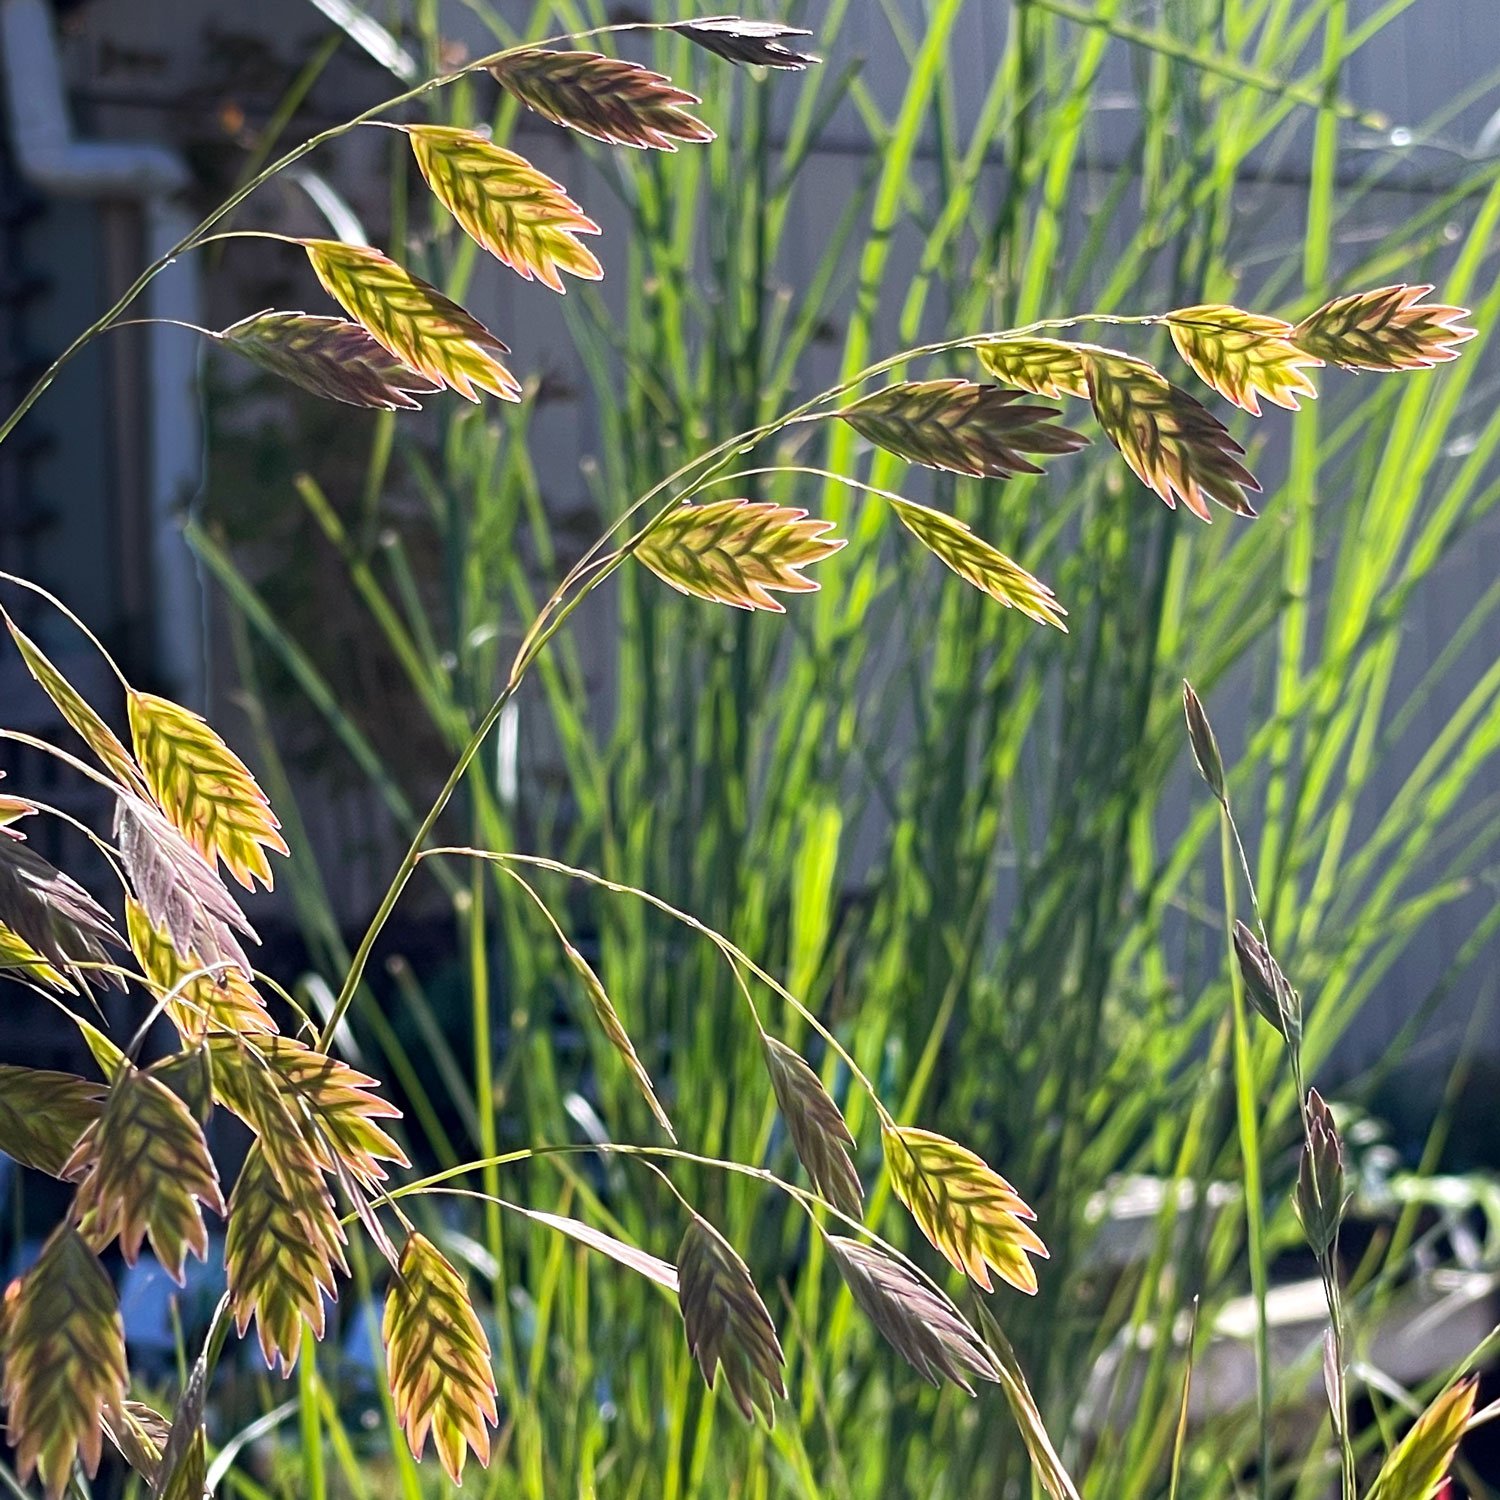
(1247,1107)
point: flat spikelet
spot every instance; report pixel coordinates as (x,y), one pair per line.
(51,914)
(727,1323)
(64,1361)
(330,357)
(736,551)
(225,1002)
(913,1317)
(958,425)
(205,788)
(190,1075)
(607,98)
(339,1102)
(439,1359)
(756,44)
(142,1170)
(330,1102)
(94,732)
(614,1029)
(1242,355)
(425,330)
(1045,367)
(520,215)
(978,563)
(1417,1466)
(178,889)
(1203,742)
(282,1249)
(1174,444)
(1389,328)
(245,1085)
(43,1114)
(969,1212)
(818,1131)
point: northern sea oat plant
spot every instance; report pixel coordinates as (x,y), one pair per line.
(188,812)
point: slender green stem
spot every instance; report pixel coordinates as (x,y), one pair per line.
(1246,1112)
(734,955)
(485,1109)
(1327,1259)
(314,1478)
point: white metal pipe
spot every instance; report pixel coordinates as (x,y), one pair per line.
(49,156)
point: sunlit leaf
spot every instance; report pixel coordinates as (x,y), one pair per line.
(1242,355)
(1389,328)
(142,1170)
(43,1114)
(969,1212)
(751,43)
(1173,443)
(607,98)
(913,1316)
(1416,1467)
(647,1265)
(727,1324)
(205,788)
(225,1001)
(978,563)
(425,330)
(520,215)
(957,425)
(817,1128)
(330,357)
(95,733)
(736,551)
(281,1251)
(64,1361)
(1045,367)
(438,1359)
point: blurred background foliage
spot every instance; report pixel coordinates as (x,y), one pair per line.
(974,846)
